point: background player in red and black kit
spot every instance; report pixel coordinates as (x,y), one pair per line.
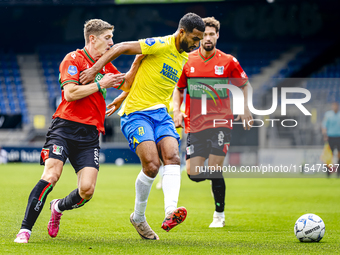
(206,67)
(76,125)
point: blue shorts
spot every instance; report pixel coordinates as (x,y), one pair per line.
(153,125)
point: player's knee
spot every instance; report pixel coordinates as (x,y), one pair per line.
(173,159)
(86,194)
(52,171)
(151,168)
(51,177)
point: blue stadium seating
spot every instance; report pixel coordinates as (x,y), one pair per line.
(12,99)
(327,82)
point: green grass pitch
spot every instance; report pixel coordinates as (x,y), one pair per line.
(260,215)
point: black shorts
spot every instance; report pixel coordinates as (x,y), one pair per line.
(76,141)
(214,141)
(334,143)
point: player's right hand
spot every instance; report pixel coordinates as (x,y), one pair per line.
(112,80)
(87,76)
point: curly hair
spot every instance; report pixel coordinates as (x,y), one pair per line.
(212,22)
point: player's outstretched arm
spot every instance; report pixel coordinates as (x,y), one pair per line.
(177,102)
(116,103)
(73,92)
(130,75)
(247,117)
(127,48)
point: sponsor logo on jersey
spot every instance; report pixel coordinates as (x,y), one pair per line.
(161,41)
(73,55)
(150,41)
(243,75)
(170,72)
(72,70)
(219,70)
(192,69)
(173,55)
(57,150)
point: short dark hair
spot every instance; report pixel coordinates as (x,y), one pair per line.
(190,21)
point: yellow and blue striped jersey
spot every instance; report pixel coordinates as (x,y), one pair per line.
(157,75)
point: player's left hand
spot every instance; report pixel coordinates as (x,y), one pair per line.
(87,76)
(178,118)
(247,119)
(114,106)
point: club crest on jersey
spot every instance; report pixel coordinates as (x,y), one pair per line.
(150,41)
(72,70)
(57,150)
(141,131)
(219,70)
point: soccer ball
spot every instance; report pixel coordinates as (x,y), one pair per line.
(309,228)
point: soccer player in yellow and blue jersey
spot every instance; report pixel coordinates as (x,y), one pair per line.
(145,121)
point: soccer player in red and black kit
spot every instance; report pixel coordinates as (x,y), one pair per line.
(76,125)
(206,67)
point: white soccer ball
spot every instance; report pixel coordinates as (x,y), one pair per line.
(119,162)
(309,228)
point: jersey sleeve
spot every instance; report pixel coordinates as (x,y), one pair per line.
(69,69)
(237,76)
(155,45)
(110,68)
(183,81)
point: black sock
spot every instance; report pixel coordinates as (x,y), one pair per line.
(218,188)
(73,200)
(197,178)
(36,202)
